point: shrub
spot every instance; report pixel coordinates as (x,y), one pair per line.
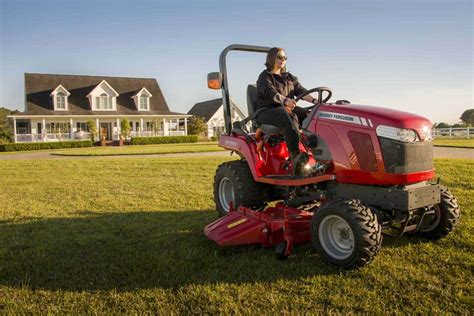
(214,138)
(4,140)
(92,129)
(49,145)
(164,140)
(125,128)
(196,126)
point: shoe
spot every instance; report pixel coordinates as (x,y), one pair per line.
(299,160)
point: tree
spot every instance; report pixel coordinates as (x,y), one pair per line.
(196,126)
(5,129)
(92,129)
(468,117)
(442,125)
(125,128)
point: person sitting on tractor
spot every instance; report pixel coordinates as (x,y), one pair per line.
(276,89)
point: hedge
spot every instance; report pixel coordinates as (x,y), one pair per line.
(164,140)
(48,145)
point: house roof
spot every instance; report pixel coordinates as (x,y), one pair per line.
(206,109)
(38,88)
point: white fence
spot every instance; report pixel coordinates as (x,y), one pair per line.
(453,132)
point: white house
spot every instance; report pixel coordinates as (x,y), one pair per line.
(212,112)
(58,107)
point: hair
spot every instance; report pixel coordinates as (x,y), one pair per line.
(271,58)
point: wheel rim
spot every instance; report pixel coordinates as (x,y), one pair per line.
(226,193)
(336,237)
(433,222)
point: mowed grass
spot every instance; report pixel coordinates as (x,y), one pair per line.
(126,235)
(140,149)
(465,143)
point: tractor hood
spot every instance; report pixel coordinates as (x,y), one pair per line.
(373,116)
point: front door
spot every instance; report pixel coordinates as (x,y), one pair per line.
(106,131)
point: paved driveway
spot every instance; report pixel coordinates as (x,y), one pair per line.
(439,152)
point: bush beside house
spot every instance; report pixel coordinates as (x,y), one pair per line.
(164,140)
(47,145)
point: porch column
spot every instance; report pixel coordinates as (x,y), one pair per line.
(72,137)
(43,130)
(97,125)
(185,126)
(141,126)
(165,128)
(118,128)
(14,129)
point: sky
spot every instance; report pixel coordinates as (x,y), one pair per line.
(413,56)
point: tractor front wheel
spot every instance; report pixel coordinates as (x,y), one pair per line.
(234,183)
(346,233)
(445,219)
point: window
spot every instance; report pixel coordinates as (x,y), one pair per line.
(57,128)
(142,99)
(143,102)
(59,98)
(61,101)
(103,102)
(82,127)
(22,128)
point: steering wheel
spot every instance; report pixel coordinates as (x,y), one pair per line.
(320,91)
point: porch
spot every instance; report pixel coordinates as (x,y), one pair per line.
(50,129)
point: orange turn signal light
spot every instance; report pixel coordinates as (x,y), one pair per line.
(214,84)
(214,80)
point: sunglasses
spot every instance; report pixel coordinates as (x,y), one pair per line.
(282,57)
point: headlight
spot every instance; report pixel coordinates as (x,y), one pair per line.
(426,133)
(401,134)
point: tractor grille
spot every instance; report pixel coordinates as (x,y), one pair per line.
(401,157)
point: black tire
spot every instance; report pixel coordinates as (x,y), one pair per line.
(246,191)
(280,250)
(448,212)
(364,229)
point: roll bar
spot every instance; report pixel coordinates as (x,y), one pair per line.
(225,84)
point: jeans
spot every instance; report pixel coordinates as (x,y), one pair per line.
(278,117)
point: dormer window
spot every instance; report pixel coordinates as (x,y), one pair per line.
(60,98)
(143,102)
(61,101)
(104,102)
(103,97)
(142,99)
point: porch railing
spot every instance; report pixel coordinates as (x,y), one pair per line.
(50,137)
(54,137)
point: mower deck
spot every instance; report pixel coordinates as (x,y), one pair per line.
(270,227)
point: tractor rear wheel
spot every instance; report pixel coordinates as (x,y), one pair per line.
(447,214)
(346,233)
(234,183)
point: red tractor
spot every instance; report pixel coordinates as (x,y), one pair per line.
(369,170)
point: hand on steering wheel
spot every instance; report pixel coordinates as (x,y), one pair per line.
(319,99)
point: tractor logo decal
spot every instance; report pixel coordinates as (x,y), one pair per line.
(345,118)
(237,223)
(230,143)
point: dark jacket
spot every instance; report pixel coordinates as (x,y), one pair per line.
(271,88)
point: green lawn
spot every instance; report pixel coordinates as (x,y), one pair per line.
(468,143)
(126,235)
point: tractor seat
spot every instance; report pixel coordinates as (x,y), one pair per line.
(251,106)
(271,129)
